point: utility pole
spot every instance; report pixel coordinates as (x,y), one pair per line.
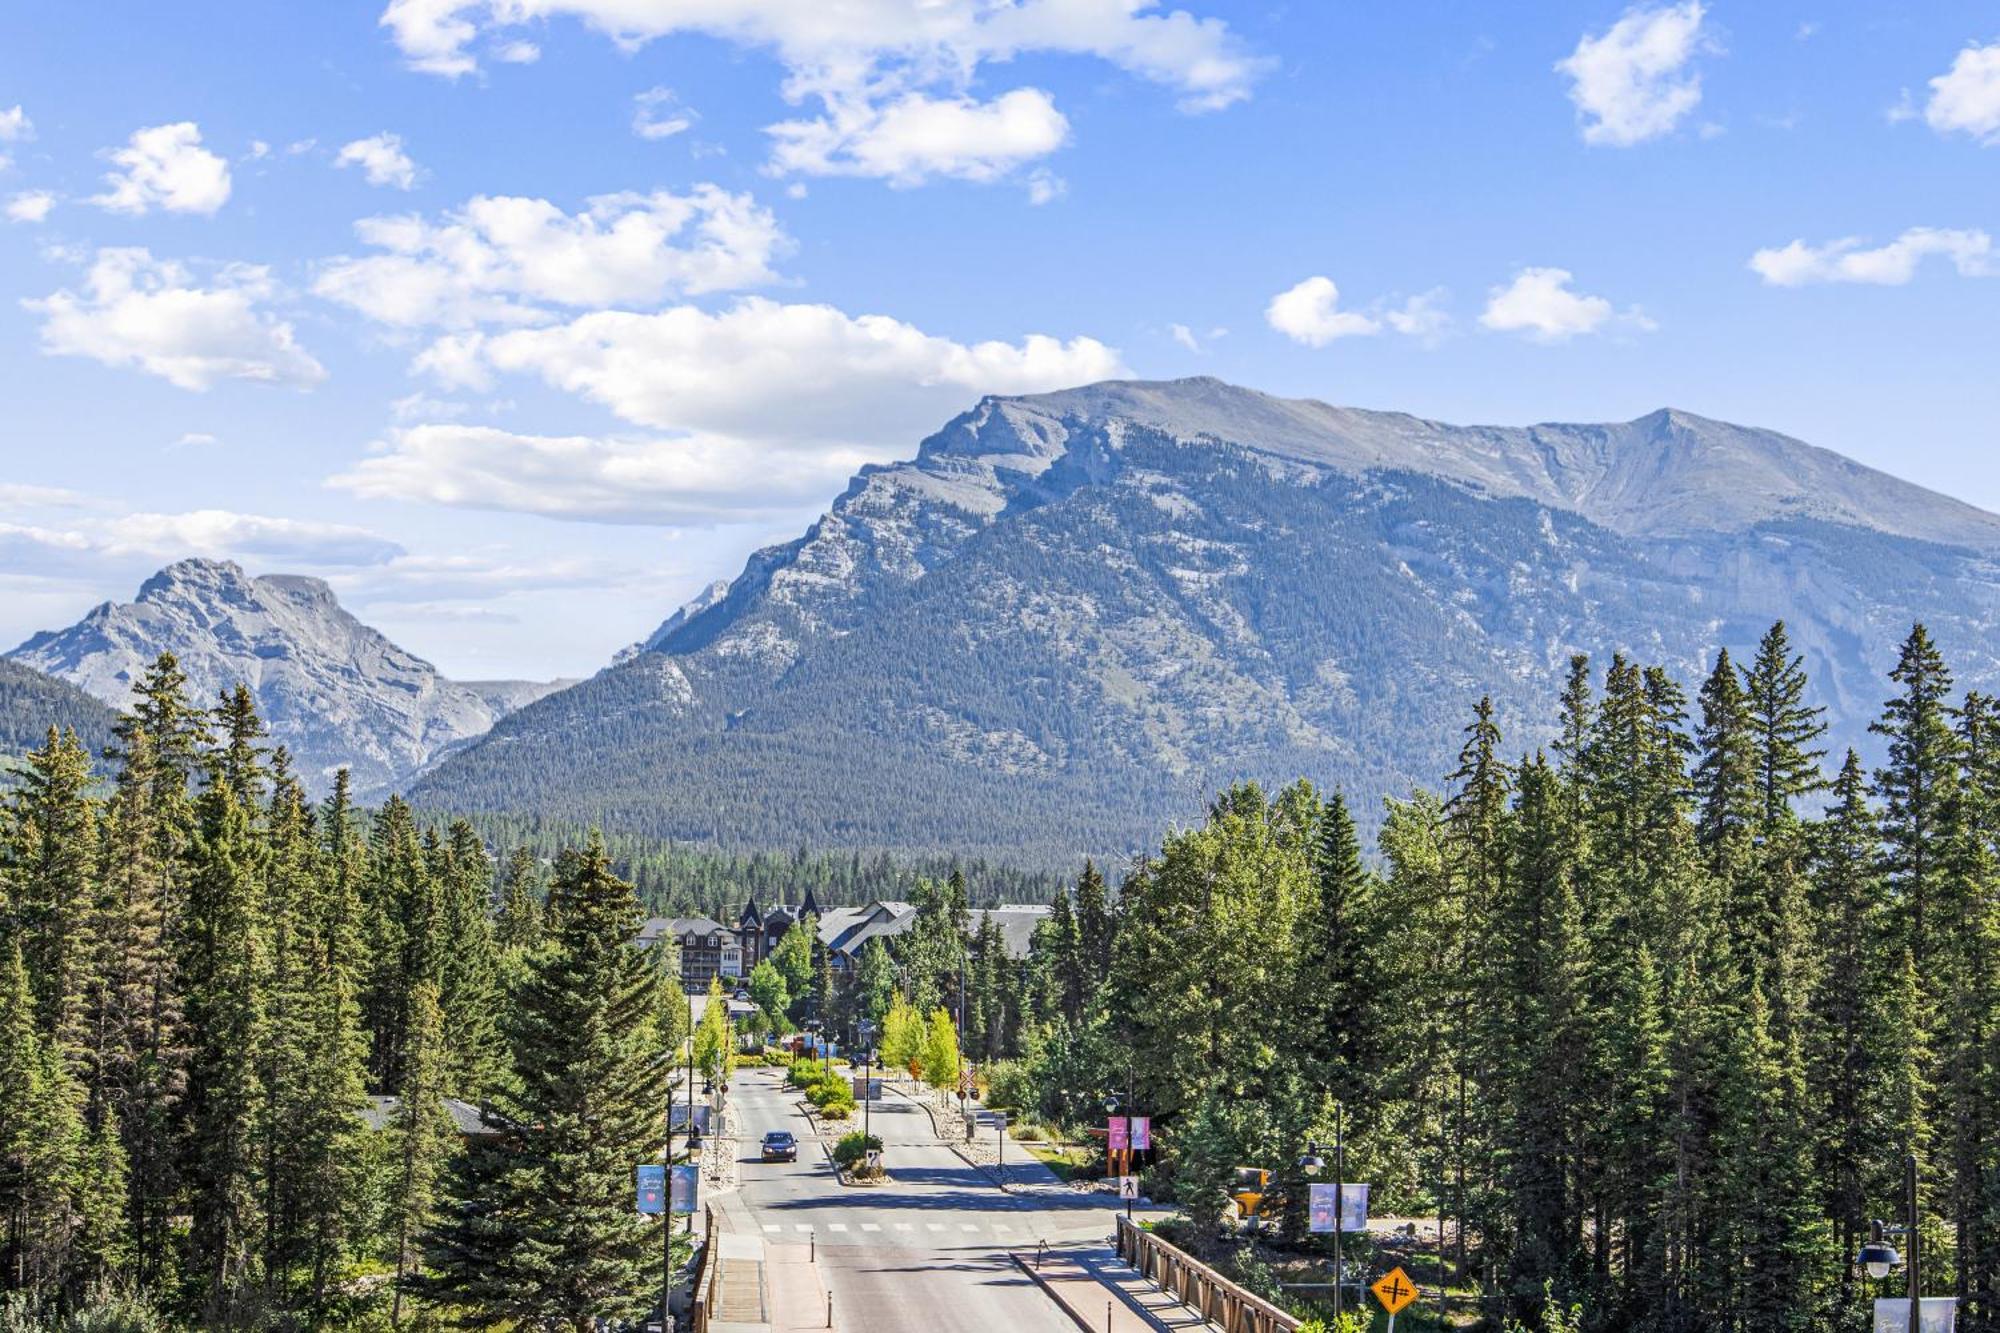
(1339,1203)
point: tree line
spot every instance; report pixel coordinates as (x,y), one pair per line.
(1650,1018)
(275,1064)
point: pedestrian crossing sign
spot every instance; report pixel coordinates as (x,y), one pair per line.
(1394,1289)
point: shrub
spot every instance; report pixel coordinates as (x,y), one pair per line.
(1009,1085)
(853,1147)
(832,1098)
(807,1074)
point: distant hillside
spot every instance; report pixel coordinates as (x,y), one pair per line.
(1072,615)
(31,703)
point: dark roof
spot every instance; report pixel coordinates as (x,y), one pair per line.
(466,1118)
(750,916)
(679,926)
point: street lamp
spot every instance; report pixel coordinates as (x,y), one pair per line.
(1877,1257)
(1311,1164)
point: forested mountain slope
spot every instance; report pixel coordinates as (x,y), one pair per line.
(1071,615)
(31,703)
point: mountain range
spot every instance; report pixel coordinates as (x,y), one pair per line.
(332,691)
(1071,616)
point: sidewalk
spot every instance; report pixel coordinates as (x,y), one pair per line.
(763,1286)
(1104,1294)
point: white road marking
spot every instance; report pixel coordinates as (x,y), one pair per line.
(904,1226)
(836,1226)
(967,1226)
(870,1226)
(802,1226)
(772,1226)
(933,1226)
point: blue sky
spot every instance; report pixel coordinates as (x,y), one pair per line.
(522,321)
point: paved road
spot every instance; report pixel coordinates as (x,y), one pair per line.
(926,1253)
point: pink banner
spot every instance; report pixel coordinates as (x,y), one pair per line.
(1118,1136)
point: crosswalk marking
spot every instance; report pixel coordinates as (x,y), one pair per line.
(967,1226)
(904,1226)
(836,1226)
(933,1226)
(870,1226)
(802,1226)
(771,1226)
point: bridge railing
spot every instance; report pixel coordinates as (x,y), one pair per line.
(702,1289)
(1199,1287)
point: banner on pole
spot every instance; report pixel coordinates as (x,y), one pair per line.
(652,1186)
(686,1188)
(1118,1134)
(1142,1133)
(1350,1208)
(1939,1314)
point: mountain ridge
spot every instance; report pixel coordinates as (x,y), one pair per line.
(1069,615)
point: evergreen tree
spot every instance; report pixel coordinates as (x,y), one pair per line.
(541,1230)
(223,973)
(1785,726)
(1918,787)
(423,1133)
(1726,777)
(518,925)
(53,863)
(468,985)
(1096,925)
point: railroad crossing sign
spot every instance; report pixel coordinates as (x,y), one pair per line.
(1395,1290)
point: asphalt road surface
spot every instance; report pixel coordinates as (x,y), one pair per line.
(926,1252)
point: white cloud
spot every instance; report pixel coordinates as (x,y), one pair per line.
(658,114)
(1632,84)
(504,259)
(1422,316)
(1184,335)
(196,439)
(1965,99)
(1044,187)
(382,159)
(153,315)
(684,480)
(518,53)
(760,406)
(1310,313)
(86,543)
(15,127)
(1540,304)
(916,137)
(166,167)
(885,72)
(30,206)
(1891,265)
(772,371)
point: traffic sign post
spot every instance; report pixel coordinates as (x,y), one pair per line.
(1395,1290)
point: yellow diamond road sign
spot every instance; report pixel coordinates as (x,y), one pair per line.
(1394,1289)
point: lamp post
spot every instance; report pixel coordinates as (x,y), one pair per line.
(1311,1165)
(694,1130)
(1877,1257)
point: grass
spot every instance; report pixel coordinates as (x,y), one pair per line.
(1068,1163)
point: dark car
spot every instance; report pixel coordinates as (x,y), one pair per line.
(780,1146)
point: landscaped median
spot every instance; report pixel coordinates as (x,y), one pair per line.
(827,1098)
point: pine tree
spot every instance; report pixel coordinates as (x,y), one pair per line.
(1096,925)
(401,909)
(41,1143)
(103,1254)
(53,860)
(423,1133)
(223,975)
(468,989)
(519,923)
(1726,778)
(541,1230)
(1785,726)
(1917,787)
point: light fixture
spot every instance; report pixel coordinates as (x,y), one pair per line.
(1311,1163)
(1877,1256)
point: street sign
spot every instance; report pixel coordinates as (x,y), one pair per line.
(686,1188)
(1394,1289)
(652,1186)
(1142,1133)
(1350,1207)
(1938,1314)
(1118,1134)
(1128,1187)
(967,1082)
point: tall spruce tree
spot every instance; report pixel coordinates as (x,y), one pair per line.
(541,1230)
(1786,727)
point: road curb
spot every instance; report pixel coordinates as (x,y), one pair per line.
(1078,1317)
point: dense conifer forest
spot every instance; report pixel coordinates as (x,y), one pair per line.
(1650,1017)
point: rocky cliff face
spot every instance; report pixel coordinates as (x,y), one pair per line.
(332,691)
(1071,615)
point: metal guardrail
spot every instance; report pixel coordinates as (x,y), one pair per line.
(1199,1287)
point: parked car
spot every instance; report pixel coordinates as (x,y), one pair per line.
(781,1146)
